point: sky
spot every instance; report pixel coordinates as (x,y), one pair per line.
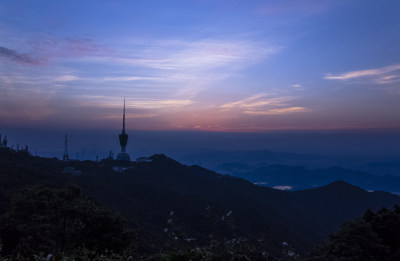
(200,65)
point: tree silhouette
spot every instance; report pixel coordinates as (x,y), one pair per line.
(372,237)
(43,220)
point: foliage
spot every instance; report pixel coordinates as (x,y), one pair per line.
(372,237)
(80,254)
(43,220)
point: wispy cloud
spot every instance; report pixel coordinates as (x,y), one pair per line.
(134,103)
(388,79)
(130,78)
(262,104)
(184,67)
(286,110)
(191,66)
(51,47)
(159,78)
(254,101)
(383,75)
(45,50)
(14,56)
(196,55)
(66,78)
(158,103)
(16,76)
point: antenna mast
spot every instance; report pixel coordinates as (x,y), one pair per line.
(123,121)
(123,140)
(66,156)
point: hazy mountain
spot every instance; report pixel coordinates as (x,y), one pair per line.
(213,159)
(388,168)
(298,171)
(298,177)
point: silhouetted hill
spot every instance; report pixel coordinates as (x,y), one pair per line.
(163,200)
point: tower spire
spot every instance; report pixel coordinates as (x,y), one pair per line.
(123,119)
(123,140)
(66,156)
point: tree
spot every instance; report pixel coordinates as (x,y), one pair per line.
(372,237)
(52,221)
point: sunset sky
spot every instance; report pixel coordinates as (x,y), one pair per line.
(232,66)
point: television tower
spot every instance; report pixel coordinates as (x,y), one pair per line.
(123,140)
(66,156)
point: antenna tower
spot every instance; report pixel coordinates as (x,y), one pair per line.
(66,156)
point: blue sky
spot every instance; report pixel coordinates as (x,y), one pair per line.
(201,65)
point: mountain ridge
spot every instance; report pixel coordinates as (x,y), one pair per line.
(147,192)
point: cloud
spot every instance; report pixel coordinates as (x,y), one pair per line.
(163,76)
(297,85)
(130,78)
(184,67)
(47,49)
(51,47)
(190,66)
(45,78)
(134,103)
(262,104)
(278,111)
(247,102)
(158,103)
(387,79)
(19,58)
(66,78)
(196,55)
(381,75)
(183,60)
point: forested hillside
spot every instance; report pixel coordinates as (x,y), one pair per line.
(173,207)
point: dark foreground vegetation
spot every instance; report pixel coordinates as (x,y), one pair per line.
(159,209)
(43,220)
(375,236)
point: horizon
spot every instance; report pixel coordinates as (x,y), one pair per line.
(370,145)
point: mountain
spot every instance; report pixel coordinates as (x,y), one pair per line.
(163,200)
(213,159)
(390,168)
(296,170)
(298,177)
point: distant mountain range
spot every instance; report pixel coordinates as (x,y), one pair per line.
(299,171)
(162,198)
(295,178)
